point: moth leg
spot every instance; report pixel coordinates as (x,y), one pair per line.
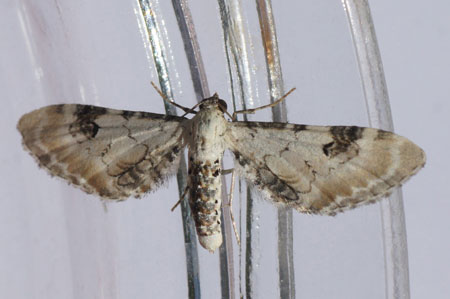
(105,206)
(230,202)
(228,171)
(251,111)
(181,198)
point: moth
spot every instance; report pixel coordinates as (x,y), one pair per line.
(117,154)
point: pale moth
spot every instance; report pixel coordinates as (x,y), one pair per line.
(116,154)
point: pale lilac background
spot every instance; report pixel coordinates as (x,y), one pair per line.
(56,242)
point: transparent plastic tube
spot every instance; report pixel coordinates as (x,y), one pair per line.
(378,108)
(159,58)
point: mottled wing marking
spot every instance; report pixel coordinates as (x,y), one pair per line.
(322,170)
(116,154)
(112,153)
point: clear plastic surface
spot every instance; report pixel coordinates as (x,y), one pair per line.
(66,244)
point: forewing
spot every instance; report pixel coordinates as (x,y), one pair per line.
(112,153)
(322,170)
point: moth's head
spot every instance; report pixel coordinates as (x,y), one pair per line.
(214,102)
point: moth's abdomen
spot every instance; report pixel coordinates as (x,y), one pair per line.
(206,147)
(205,201)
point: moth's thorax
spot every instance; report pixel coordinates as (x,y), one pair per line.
(206,147)
(206,133)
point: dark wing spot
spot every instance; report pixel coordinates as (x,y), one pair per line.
(346,134)
(90,129)
(344,140)
(127,114)
(44,159)
(326,148)
(241,160)
(59,108)
(270,125)
(170,157)
(298,128)
(85,123)
(383,135)
(88,111)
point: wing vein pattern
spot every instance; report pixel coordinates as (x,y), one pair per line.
(322,170)
(113,153)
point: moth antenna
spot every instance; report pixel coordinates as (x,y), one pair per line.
(229,115)
(251,111)
(191,110)
(165,98)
